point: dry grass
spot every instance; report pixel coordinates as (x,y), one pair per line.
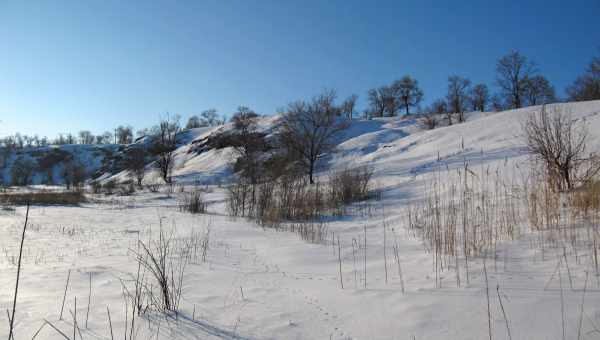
(43,198)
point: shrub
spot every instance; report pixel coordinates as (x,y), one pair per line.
(96,187)
(109,186)
(295,199)
(154,187)
(560,143)
(166,260)
(126,188)
(193,202)
(350,185)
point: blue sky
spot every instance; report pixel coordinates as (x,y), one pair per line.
(72,65)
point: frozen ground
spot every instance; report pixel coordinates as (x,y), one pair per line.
(265,284)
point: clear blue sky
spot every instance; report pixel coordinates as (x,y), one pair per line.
(72,65)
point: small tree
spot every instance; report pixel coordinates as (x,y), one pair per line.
(193,123)
(307,129)
(560,143)
(538,90)
(248,143)
(22,170)
(512,71)
(479,97)
(74,174)
(587,86)
(496,103)
(408,92)
(210,117)
(164,144)
(86,137)
(347,108)
(135,162)
(429,121)
(124,135)
(377,101)
(458,88)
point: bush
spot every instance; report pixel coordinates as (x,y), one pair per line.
(109,186)
(560,143)
(154,188)
(96,187)
(587,198)
(166,259)
(350,185)
(193,202)
(126,188)
(293,198)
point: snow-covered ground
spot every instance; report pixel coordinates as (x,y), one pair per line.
(266,284)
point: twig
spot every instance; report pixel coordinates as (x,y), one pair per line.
(110,324)
(65,295)
(58,330)
(12,319)
(9,319)
(76,326)
(39,330)
(503,312)
(582,302)
(562,304)
(340,261)
(365,256)
(487,294)
(87,315)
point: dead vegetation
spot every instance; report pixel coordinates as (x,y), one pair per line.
(43,198)
(292,199)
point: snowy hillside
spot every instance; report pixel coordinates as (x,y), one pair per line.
(262,283)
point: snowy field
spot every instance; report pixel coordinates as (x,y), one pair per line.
(257,283)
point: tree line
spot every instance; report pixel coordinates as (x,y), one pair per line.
(519,83)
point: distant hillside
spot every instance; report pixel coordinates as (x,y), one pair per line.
(395,147)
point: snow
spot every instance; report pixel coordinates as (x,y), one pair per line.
(291,288)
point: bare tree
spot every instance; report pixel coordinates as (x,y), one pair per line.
(559,142)
(86,137)
(458,88)
(74,174)
(479,97)
(587,86)
(439,106)
(428,121)
(194,122)
(390,101)
(512,71)
(408,92)
(307,129)
(496,103)
(22,170)
(210,117)
(377,100)
(135,162)
(124,135)
(348,105)
(538,90)
(248,144)
(164,144)
(70,139)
